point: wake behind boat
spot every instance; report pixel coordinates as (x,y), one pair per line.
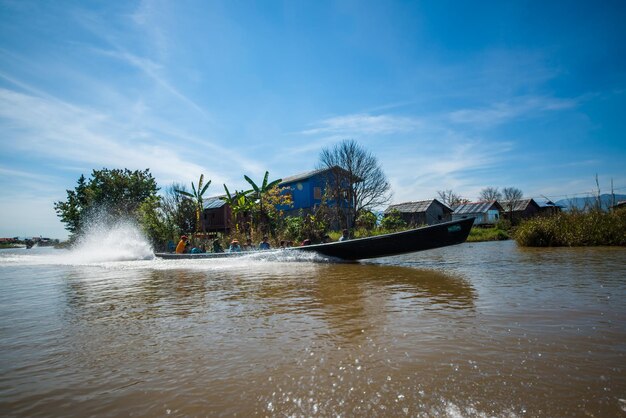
(419,239)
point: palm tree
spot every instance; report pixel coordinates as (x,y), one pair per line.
(240,205)
(196,197)
(259,192)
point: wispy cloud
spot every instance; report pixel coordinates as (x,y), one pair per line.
(364,124)
(50,128)
(502,112)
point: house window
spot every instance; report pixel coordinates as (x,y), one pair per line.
(317,193)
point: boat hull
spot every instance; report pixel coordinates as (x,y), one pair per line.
(419,239)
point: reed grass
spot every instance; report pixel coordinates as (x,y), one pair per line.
(574,229)
(487,234)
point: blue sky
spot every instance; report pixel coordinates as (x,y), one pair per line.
(447,95)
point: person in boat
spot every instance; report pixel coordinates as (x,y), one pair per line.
(182,245)
(264,245)
(217,247)
(234,247)
(345,235)
(325,239)
(248,245)
(283,244)
(200,249)
(305,242)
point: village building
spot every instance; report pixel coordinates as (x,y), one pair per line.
(484,213)
(520,209)
(216,216)
(307,191)
(425,212)
(548,207)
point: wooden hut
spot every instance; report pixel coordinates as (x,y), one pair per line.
(424,212)
(517,210)
(484,213)
(216,216)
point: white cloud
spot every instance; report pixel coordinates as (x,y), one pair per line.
(502,112)
(56,130)
(364,124)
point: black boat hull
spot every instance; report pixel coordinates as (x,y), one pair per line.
(419,239)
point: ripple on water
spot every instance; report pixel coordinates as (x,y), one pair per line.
(471,330)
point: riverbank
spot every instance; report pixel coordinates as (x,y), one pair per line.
(574,229)
(4,246)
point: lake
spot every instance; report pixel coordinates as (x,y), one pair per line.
(474,330)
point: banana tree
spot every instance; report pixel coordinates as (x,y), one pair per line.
(258,193)
(240,206)
(196,197)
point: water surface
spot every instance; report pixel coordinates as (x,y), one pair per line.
(483,329)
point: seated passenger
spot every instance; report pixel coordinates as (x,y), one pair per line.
(234,247)
(217,247)
(182,245)
(345,235)
(264,245)
(248,245)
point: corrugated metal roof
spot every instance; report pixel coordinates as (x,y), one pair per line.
(410,207)
(519,205)
(476,207)
(301,176)
(213,202)
(309,174)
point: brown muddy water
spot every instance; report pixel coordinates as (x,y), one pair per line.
(475,330)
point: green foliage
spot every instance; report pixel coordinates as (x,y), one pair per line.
(487,234)
(261,209)
(393,221)
(241,207)
(118,193)
(155,224)
(196,197)
(574,229)
(305,226)
(366,220)
(256,208)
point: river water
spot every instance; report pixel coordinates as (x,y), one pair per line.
(475,330)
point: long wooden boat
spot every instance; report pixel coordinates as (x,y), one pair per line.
(419,239)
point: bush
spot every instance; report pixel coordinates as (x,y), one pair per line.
(393,221)
(487,234)
(574,229)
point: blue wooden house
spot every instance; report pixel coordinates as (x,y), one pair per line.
(308,190)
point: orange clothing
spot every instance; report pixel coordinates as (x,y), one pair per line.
(180,248)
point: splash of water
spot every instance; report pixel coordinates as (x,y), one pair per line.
(102,241)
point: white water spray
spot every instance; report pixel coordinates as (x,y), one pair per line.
(105,241)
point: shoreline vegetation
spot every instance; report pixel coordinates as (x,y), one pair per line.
(109,196)
(574,229)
